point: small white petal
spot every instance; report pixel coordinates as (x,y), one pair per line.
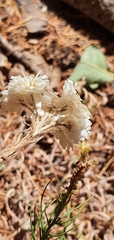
(41,113)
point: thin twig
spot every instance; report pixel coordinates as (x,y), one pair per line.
(24,58)
(106,166)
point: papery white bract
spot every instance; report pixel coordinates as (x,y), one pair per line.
(31,84)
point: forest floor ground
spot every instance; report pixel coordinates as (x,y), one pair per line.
(50,39)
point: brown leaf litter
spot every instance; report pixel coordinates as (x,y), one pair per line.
(22,180)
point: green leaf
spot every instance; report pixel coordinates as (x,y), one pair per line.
(93,55)
(93,67)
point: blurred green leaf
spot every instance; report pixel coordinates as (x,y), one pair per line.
(93,67)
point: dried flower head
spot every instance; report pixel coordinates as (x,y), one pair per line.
(73,124)
(22,91)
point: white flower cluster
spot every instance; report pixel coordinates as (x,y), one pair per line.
(70,118)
